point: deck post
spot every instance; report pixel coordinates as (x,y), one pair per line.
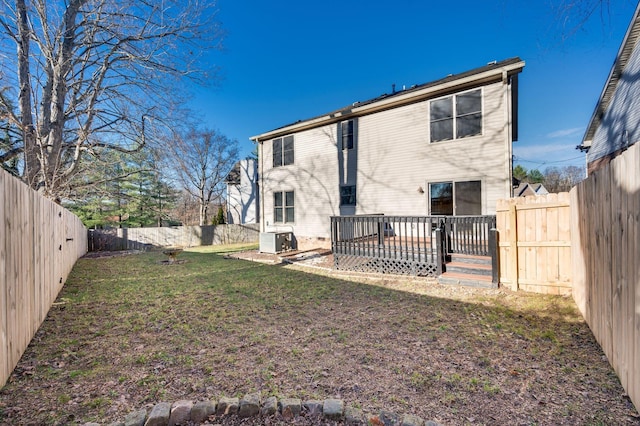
(334,240)
(439,242)
(494,252)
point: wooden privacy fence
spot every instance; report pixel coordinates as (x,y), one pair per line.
(174,236)
(39,244)
(585,243)
(535,243)
(605,223)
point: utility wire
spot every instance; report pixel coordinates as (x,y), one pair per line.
(519,159)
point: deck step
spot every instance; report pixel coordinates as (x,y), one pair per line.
(468,268)
(471,280)
(466,258)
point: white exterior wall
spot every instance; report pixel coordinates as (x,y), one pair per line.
(395,158)
(314,179)
(242,199)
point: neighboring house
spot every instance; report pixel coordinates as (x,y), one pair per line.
(526,189)
(615,124)
(242,192)
(440,148)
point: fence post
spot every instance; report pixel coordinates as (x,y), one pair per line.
(513,247)
(124,233)
(494,253)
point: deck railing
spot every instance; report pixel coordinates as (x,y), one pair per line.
(391,244)
(468,234)
(414,245)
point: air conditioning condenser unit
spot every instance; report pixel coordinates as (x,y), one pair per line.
(275,242)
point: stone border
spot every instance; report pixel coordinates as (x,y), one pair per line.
(252,405)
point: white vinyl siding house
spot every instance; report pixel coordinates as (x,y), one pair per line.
(379,156)
(615,123)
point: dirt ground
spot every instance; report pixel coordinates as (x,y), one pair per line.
(456,355)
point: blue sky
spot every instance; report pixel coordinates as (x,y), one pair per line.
(286,60)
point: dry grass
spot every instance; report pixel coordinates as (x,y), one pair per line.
(131,332)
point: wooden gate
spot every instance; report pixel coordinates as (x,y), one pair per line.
(535,243)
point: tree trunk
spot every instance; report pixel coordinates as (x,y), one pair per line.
(31,162)
(203,213)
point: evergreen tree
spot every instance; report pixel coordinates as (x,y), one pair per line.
(219,218)
(123,190)
(535,176)
(520,173)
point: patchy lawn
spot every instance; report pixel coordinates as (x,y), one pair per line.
(129,332)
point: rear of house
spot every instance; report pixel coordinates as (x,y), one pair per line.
(440,148)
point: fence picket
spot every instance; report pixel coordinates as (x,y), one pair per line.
(5,367)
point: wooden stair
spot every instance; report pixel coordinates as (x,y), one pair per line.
(473,271)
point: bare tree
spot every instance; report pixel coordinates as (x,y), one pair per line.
(86,72)
(561,179)
(186,210)
(574,14)
(203,159)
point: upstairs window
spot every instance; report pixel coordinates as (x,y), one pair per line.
(283,151)
(346,129)
(457,116)
(283,207)
(441,112)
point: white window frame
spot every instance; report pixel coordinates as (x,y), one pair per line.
(283,156)
(284,207)
(455,116)
(454,200)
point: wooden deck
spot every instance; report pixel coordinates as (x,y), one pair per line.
(415,245)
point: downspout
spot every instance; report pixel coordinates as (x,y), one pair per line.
(508,132)
(261,183)
(228,206)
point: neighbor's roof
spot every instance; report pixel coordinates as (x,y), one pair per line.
(626,49)
(415,93)
(526,188)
